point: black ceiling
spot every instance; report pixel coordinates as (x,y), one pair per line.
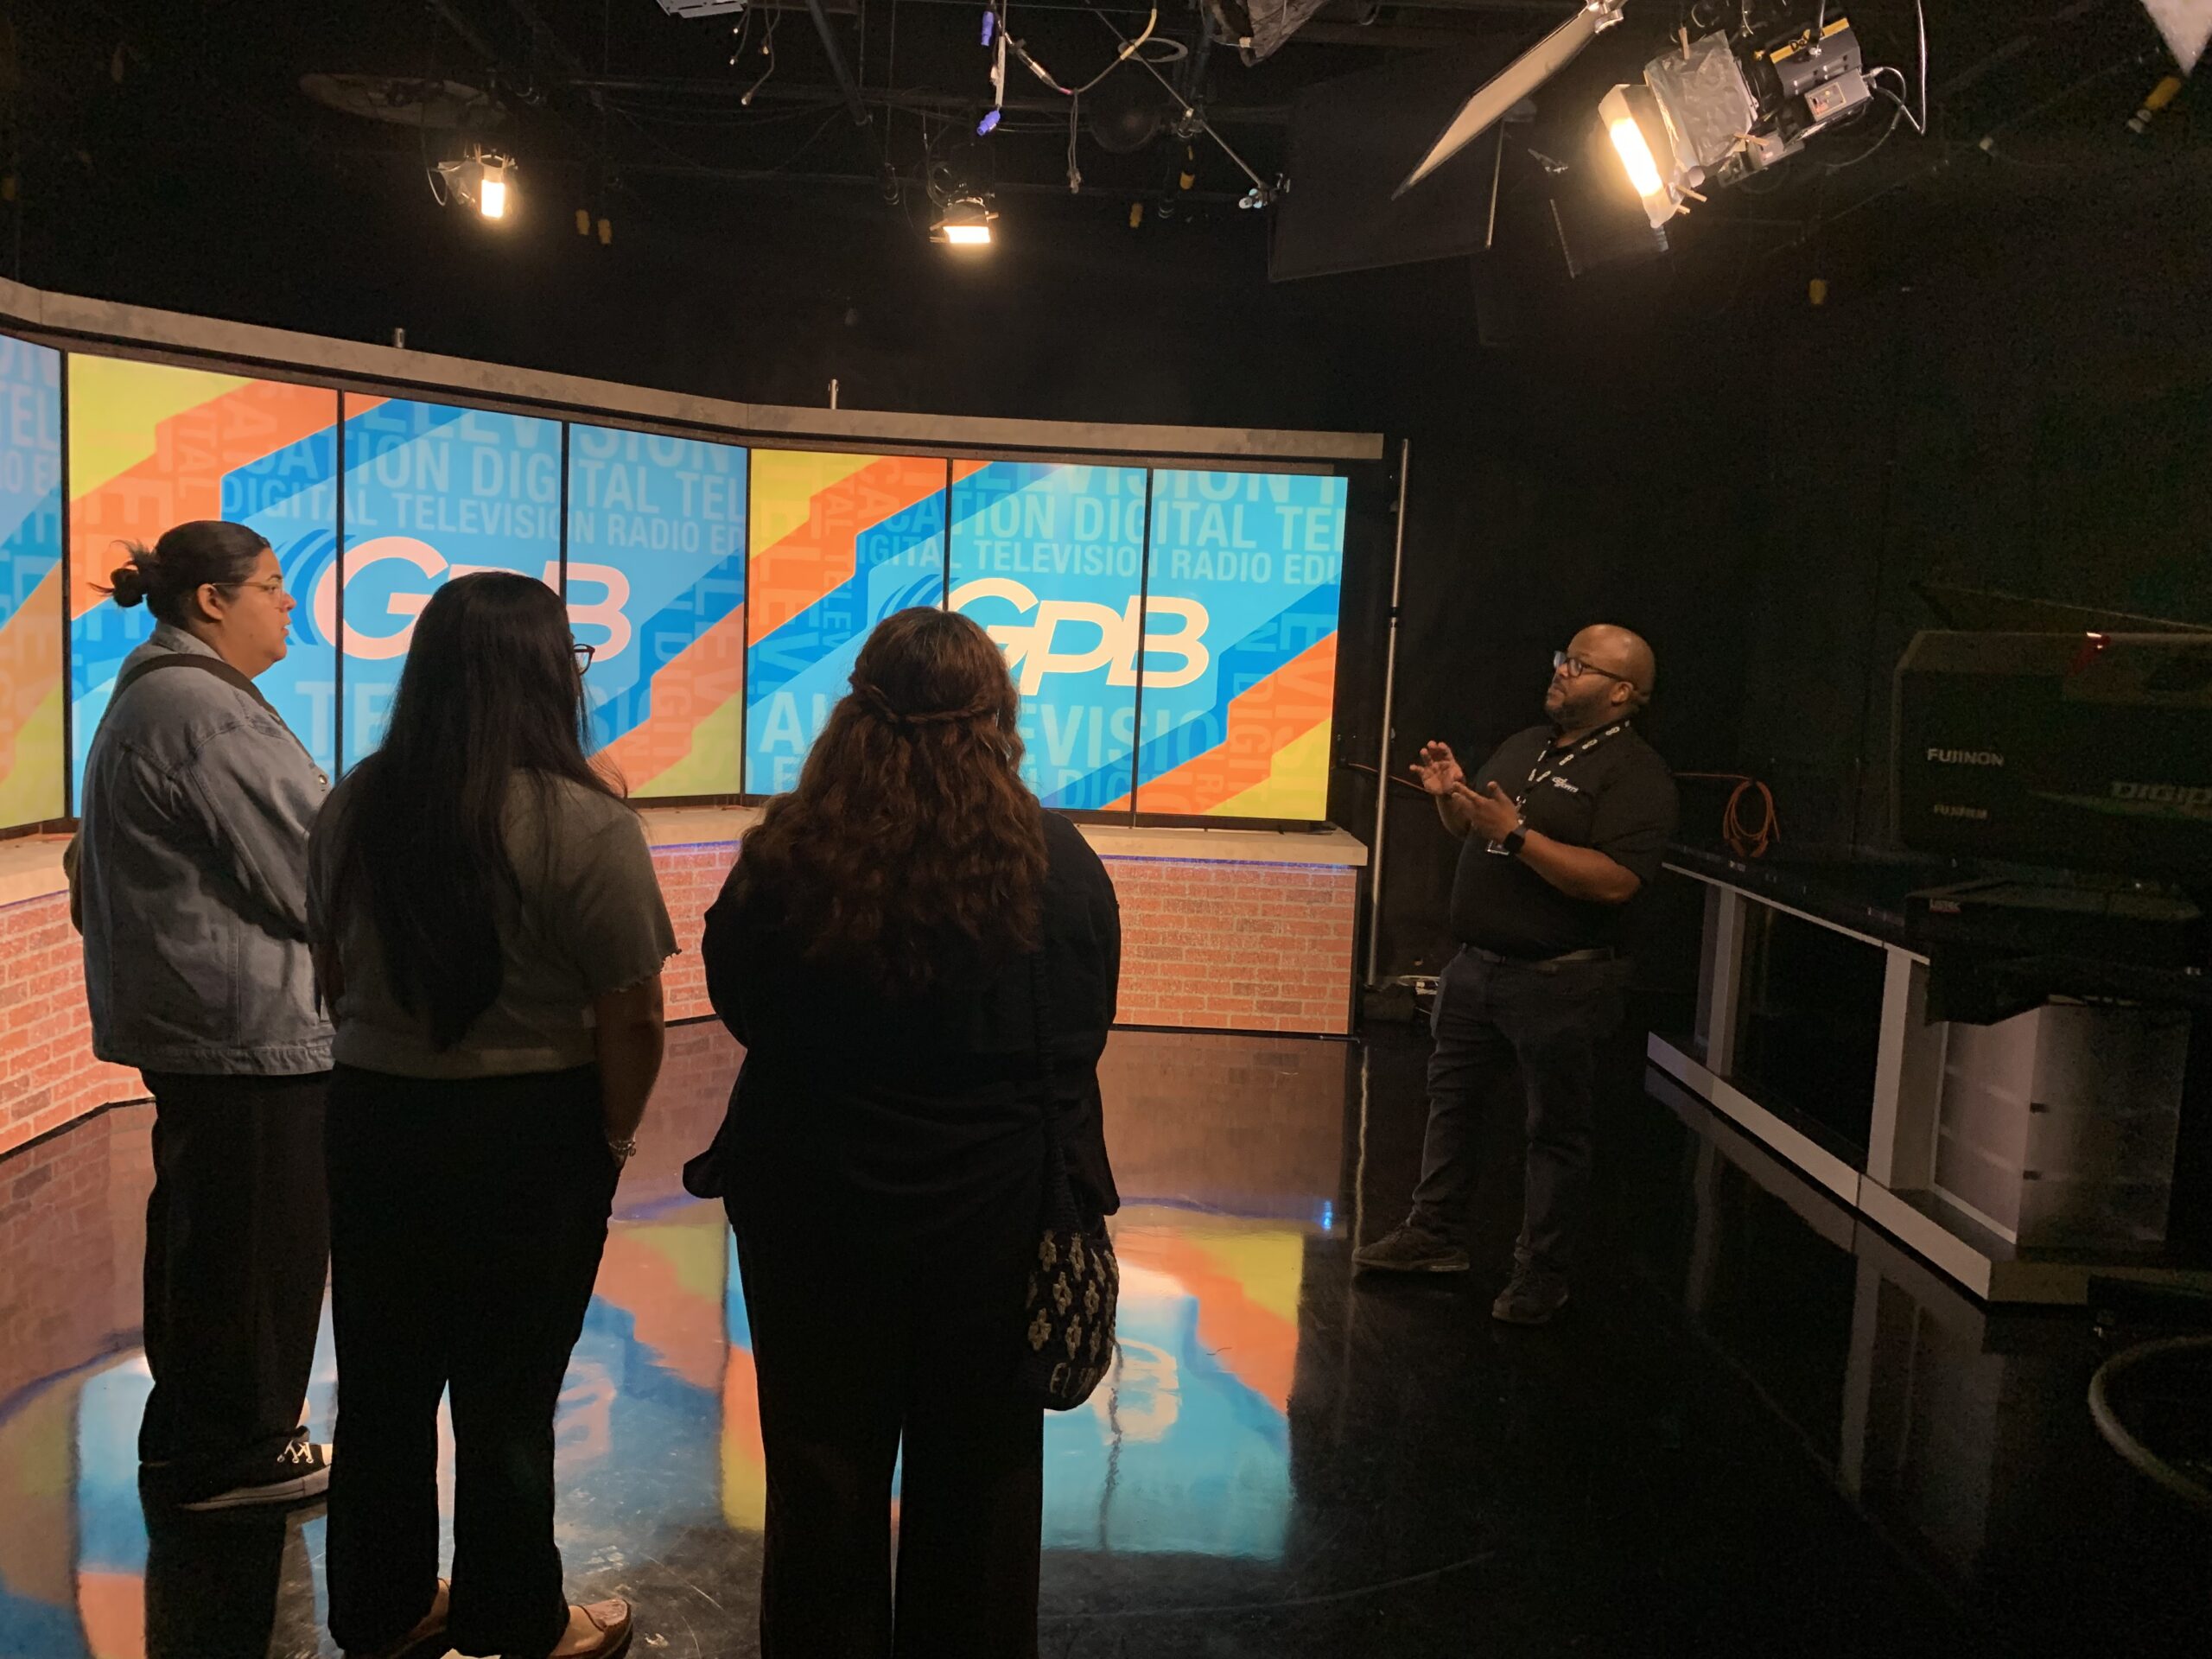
(615,107)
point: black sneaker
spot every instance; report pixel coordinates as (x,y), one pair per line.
(1408,1249)
(300,1472)
(1531,1299)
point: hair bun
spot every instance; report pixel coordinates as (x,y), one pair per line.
(127,584)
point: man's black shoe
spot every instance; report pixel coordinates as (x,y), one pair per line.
(1531,1299)
(1408,1249)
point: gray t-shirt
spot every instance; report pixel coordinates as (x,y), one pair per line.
(591,921)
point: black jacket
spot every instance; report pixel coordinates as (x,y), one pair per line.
(909,1113)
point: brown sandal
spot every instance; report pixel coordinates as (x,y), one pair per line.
(611,1619)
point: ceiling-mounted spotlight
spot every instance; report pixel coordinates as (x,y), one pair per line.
(491,188)
(1711,110)
(1618,115)
(1717,110)
(965,223)
(485,179)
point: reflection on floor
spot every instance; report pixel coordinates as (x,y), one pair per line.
(1281,1464)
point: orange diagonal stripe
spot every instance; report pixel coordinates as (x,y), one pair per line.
(710,670)
(30,664)
(820,555)
(183,478)
(1262,718)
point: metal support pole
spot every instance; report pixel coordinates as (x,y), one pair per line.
(1383,744)
(839,72)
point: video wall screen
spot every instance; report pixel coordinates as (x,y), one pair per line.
(151,447)
(1049,557)
(839,542)
(1239,644)
(1172,632)
(656,584)
(31,762)
(433,490)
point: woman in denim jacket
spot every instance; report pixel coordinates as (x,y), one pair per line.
(191,891)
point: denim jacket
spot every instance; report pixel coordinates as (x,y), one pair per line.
(192,876)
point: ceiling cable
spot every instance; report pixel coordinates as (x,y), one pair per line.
(1265,192)
(1129,49)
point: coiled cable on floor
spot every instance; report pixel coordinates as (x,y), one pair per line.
(1742,840)
(2122,1440)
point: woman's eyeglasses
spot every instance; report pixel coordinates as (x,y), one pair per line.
(583,655)
(272,586)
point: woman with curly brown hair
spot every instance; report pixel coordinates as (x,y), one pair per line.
(908,947)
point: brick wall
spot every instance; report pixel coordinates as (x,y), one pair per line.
(689,879)
(1205,946)
(47,1075)
(1237,947)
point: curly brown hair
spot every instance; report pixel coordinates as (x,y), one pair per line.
(911,851)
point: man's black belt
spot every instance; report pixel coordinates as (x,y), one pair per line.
(1601,953)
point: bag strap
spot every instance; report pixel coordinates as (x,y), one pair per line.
(221,670)
(215,665)
(1060,1212)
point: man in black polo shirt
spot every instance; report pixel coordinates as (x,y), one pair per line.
(1563,826)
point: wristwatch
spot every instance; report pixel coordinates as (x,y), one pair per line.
(1513,840)
(624,1150)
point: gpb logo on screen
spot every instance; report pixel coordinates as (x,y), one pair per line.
(607,612)
(1032,649)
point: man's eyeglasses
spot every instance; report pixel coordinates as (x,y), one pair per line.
(1574,668)
(583,655)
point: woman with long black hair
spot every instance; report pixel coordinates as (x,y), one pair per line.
(921,961)
(490,932)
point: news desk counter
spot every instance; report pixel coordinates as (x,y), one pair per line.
(2021,1157)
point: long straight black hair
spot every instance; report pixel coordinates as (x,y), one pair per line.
(490,700)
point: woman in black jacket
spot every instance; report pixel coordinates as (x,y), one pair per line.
(915,955)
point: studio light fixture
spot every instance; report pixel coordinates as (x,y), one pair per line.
(1717,110)
(965,223)
(485,179)
(491,188)
(1710,111)
(1626,133)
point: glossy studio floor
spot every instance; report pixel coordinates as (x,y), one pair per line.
(1759,1430)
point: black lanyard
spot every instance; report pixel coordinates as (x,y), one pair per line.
(1547,767)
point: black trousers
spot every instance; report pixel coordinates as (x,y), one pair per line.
(1550,1022)
(864,1346)
(466,1224)
(238,1244)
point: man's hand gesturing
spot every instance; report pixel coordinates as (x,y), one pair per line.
(1438,770)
